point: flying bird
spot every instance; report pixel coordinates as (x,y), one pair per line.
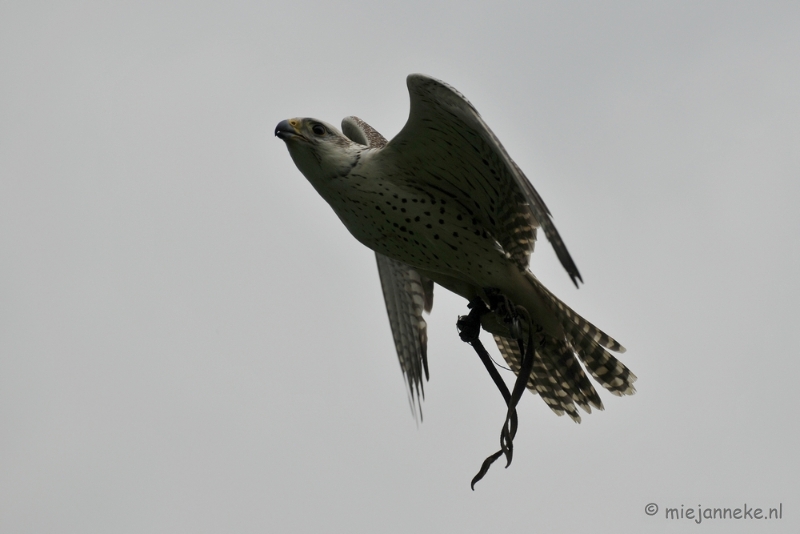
(443,203)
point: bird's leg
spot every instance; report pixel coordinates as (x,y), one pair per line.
(469,326)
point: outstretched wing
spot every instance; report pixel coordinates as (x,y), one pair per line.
(407,294)
(446,143)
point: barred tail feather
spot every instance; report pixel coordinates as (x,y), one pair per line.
(605,368)
(586,395)
(556,376)
(586,328)
(539,381)
(588,341)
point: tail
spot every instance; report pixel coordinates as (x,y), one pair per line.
(557,376)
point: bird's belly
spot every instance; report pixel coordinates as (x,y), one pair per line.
(429,234)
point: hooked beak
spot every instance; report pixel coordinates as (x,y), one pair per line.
(284,130)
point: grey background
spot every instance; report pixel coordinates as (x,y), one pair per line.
(190,341)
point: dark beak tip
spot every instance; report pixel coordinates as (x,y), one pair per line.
(284,130)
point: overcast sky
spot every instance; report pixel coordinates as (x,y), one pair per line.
(190,340)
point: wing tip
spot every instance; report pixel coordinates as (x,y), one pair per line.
(415,77)
(576,277)
(416,83)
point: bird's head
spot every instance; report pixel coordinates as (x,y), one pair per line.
(320,151)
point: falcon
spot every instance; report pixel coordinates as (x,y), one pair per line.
(443,203)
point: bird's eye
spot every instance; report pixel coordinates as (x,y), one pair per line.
(318,129)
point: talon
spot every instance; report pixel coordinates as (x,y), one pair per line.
(469,326)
